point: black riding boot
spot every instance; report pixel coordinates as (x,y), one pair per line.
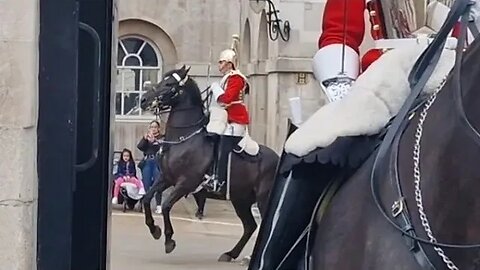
(223,149)
(291,205)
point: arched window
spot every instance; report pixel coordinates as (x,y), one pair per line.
(138,64)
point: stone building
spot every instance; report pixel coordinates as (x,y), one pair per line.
(18,132)
(158,35)
(280,70)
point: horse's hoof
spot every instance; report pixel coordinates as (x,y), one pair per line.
(225,258)
(246,261)
(199,215)
(170,246)
(157,233)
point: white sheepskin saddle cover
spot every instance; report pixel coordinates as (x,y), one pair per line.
(375,97)
(248,145)
(132,190)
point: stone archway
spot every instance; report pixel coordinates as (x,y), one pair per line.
(262,96)
(245,55)
(156,35)
(129,128)
(263,46)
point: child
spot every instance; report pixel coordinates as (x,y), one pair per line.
(126,172)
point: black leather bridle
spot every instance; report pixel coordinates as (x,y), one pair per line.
(418,77)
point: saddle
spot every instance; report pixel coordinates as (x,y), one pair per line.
(343,153)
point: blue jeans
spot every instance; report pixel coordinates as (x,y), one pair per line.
(150,173)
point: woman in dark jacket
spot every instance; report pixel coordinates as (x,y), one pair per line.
(149,145)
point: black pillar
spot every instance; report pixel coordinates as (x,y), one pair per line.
(74,160)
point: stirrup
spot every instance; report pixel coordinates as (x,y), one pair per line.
(213,185)
(209,182)
(218,186)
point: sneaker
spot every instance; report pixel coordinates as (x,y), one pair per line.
(158,210)
(141,191)
(114,200)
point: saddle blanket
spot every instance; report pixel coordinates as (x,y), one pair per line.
(375,97)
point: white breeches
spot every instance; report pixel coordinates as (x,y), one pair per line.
(234,129)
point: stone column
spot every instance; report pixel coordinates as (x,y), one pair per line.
(19,29)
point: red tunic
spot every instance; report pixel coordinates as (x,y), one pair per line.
(233,100)
(333,24)
(334,21)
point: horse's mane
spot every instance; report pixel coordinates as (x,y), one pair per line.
(193,92)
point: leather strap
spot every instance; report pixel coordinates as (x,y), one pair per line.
(403,217)
(418,77)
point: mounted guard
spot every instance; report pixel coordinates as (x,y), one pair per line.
(229,116)
(282,240)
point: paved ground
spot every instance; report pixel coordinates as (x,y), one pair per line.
(199,243)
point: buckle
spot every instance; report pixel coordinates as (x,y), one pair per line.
(398,206)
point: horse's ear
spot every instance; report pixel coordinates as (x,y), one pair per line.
(187,69)
(182,68)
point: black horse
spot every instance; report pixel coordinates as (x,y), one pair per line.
(188,156)
(437,191)
(425,172)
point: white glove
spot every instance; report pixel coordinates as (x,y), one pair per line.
(338,88)
(217,90)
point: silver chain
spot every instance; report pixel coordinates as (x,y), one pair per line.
(416,175)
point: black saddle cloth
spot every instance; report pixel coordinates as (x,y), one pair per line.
(344,152)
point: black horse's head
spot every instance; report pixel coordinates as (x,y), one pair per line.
(168,92)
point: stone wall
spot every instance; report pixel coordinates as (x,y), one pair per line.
(190,32)
(276,68)
(18,138)
(194,33)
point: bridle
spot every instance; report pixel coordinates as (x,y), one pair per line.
(418,77)
(176,91)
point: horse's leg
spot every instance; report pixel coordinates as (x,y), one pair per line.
(158,186)
(244,212)
(177,193)
(200,199)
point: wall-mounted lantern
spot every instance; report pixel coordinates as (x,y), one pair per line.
(275,26)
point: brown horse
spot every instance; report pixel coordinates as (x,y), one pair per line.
(188,156)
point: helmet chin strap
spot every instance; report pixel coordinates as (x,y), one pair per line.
(342,72)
